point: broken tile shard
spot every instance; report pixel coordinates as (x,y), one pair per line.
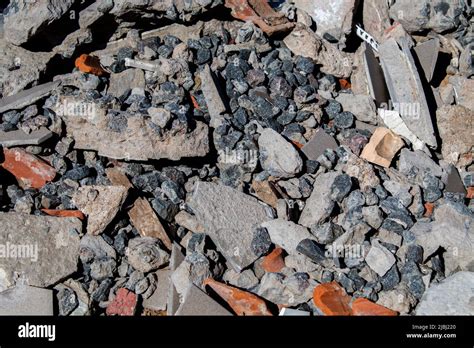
(29,170)
(382,147)
(332,299)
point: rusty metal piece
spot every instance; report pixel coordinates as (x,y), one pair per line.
(261,14)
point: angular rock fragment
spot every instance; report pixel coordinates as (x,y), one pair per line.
(26,300)
(362,106)
(100,204)
(289,290)
(358,168)
(147,223)
(196,302)
(145,255)
(124,303)
(286,234)
(277,156)
(452,296)
(382,147)
(379,258)
(220,209)
(214,102)
(158,300)
(427,54)
(29,170)
(41,249)
(319,205)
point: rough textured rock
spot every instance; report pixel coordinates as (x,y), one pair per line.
(50,247)
(20,26)
(289,291)
(100,204)
(455,129)
(277,156)
(26,300)
(362,106)
(452,296)
(144,254)
(379,258)
(451,229)
(137,141)
(286,234)
(319,205)
(220,209)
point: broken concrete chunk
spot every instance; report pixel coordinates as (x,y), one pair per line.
(406,90)
(392,120)
(277,156)
(265,192)
(304,42)
(451,229)
(319,205)
(214,102)
(20,25)
(286,290)
(189,222)
(413,162)
(379,258)
(382,147)
(455,129)
(100,204)
(26,300)
(318,144)
(30,171)
(220,209)
(196,302)
(145,254)
(147,223)
(375,18)
(158,300)
(356,167)
(40,249)
(286,234)
(452,296)
(332,18)
(126,80)
(362,106)
(137,141)
(463,91)
(173,301)
(19,138)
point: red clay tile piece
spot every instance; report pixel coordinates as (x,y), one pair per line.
(124,303)
(362,306)
(274,262)
(332,299)
(64,213)
(428,209)
(29,170)
(89,64)
(241,302)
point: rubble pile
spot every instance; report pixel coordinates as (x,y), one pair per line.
(226,157)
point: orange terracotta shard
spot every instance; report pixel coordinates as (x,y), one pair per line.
(64,213)
(362,306)
(261,14)
(90,65)
(428,209)
(470,192)
(30,171)
(332,299)
(274,262)
(241,302)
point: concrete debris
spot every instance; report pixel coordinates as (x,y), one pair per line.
(100,204)
(219,208)
(214,101)
(26,300)
(404,84)
(286,234)
(196,302)
(452,296)
(427,54)
(27,97)
(319,143)
(49,249)
(19,138)
(361,106)
(158,300)
(379,258)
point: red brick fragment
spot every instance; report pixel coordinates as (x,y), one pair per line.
(274,262)
(428,209)
(362,306)
(124,303)
(241,302)
(470,192)
(29,170)
(332,299)
(89,64)
(64,213)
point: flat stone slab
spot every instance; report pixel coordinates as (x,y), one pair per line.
(196,302)
(453,296)
(137,140)
(211,93)
(41,249)
(26,300)
(406,90)
(19,138)
(27,96)
(229,217)
(158,301)
(318,144)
